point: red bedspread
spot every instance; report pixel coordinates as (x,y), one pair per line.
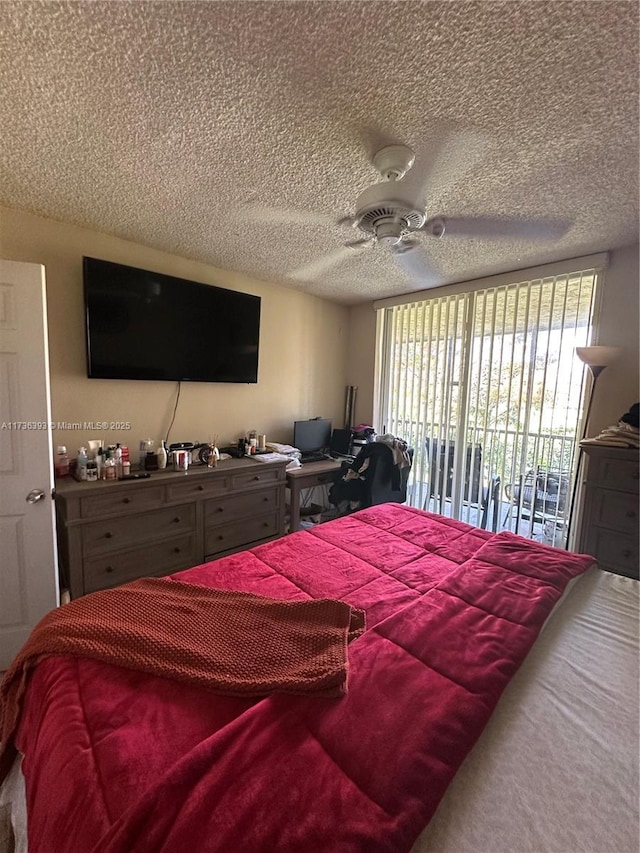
(118,761)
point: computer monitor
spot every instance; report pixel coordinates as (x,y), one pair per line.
(341,441)
(312,436)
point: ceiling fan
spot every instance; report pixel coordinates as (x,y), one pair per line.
(389,214)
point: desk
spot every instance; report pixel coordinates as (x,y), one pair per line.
(311,474)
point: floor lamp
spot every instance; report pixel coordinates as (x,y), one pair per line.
(596,359)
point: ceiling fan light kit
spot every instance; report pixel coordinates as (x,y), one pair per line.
(388,200)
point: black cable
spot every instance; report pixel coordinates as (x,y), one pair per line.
(175,409)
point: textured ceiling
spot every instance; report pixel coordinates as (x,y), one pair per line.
(169,123)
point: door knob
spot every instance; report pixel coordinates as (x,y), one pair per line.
(34,496)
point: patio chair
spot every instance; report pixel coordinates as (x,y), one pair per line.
(491,498)
(440,460)
(540,495)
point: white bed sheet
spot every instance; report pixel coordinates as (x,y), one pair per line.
(556,770)
(13,811)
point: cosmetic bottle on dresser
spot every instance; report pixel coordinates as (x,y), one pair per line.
(162,456)
(61,462)
(81,464)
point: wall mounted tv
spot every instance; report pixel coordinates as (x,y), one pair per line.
(145,325)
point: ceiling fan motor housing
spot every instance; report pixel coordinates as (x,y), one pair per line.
(382,210)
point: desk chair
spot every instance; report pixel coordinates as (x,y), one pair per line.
(380,481)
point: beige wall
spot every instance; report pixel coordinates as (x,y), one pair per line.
(618,325)
(361,360)
(303,343)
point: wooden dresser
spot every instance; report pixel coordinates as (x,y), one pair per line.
(609,528)
(113,532)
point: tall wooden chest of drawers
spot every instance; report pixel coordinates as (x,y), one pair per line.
(609,528)
(113,532)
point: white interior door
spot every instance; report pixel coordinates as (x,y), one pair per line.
(28,563)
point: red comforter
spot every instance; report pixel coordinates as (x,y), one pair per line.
(118,761)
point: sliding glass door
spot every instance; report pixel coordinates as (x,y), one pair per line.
(486,387)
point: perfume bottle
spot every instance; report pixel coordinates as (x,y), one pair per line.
(213,456)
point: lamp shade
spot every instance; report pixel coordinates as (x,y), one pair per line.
(597,356)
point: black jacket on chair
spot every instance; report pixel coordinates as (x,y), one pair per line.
(372,478)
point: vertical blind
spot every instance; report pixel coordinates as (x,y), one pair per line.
(486,388)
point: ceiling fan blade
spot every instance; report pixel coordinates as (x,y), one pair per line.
(317,268)
(361,243)
(415,265)
(495,228)
(446,162)
(251,213)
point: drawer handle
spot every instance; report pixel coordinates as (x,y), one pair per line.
(265,523)
(108,535)
(220,509)
(220,537)
(626,553)
(322,479)
(265,500)
(126,500)
(201,488)
(257,477)
(176,520)
(176,550)
(109,569)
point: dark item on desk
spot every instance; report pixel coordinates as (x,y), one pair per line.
(313,457)
(142,476)
(341,442)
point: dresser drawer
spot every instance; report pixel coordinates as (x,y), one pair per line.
(132,498)
(259,475)
(115,534)
(157,559)
(198,487)
(615,551)
(240,533)
(616,510)
(619,473)
(229,508)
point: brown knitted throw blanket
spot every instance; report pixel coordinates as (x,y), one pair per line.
(232,642)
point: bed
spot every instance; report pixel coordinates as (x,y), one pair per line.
(416,756)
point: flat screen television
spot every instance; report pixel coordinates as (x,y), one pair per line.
(145,325)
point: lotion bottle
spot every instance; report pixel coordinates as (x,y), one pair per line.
(162,456)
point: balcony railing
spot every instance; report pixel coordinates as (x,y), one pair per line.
(501,466)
